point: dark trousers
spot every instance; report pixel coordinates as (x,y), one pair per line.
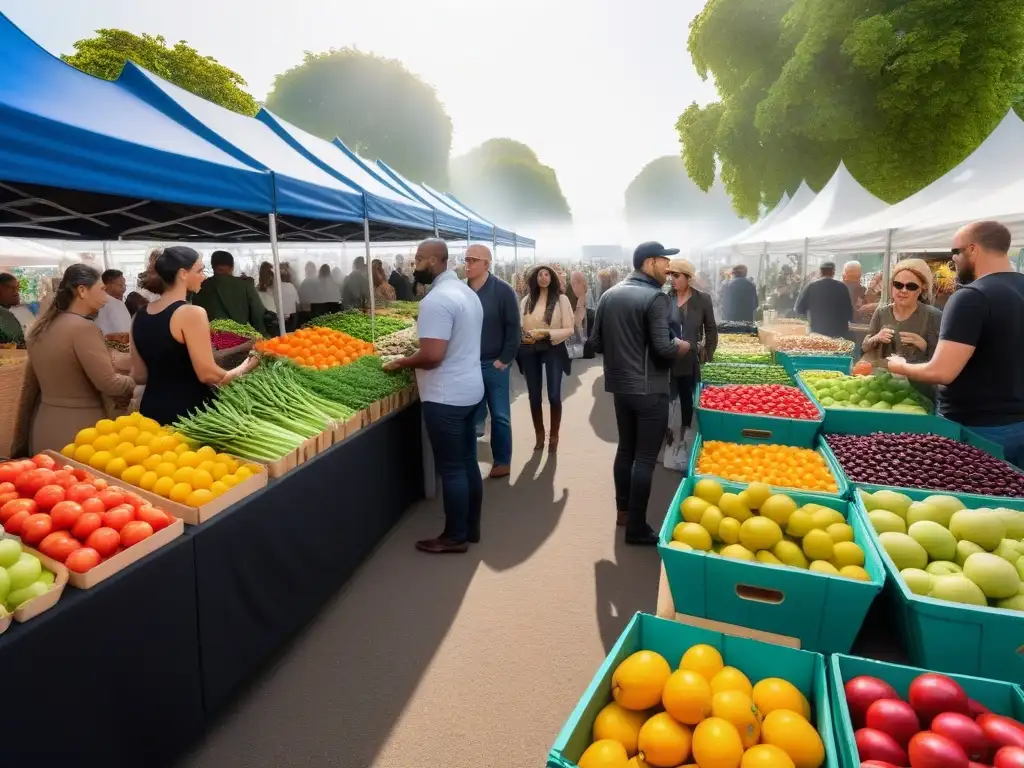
(642,421)
(452,432)
(682,387)
(538,363)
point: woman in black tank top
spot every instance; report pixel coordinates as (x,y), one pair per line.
(170,342)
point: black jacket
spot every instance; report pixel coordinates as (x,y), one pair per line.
(698,328)
(631,331)
(739,300)
(826,302)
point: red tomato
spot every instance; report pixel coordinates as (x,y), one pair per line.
(64,479)
(48,497)
(59,545)
(43,461)
(7,488)
(35,528)
(134,500)
(93,504)
(155,517)
(5,497)
(82,559)
(9,470)
(86,524)
(15,521)
(83,475)
(65,515)
(11,508)
(99,482)
(80,492)
(134,532)
(111,497)
(118,517)
(104,540)
(29,483)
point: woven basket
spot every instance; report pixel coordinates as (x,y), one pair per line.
(13,423)
(233,357)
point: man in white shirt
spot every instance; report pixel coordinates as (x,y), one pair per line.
(114,316)
(451,388)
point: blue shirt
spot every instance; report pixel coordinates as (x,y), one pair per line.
(501,333)
(452,312)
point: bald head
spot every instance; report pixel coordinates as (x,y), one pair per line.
(479,252)
(852,271)
(431,260)
(434,248)
(990,236)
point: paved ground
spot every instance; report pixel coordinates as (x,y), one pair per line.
(470,661)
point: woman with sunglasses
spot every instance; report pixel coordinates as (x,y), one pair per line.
(909,326)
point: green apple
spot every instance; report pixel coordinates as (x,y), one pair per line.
(10,551)
(24,572)
(21,596)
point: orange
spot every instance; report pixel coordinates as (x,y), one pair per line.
(664,742)
(619,724)
(795,736)
(687,696)
(766,756)
(731,679)
(717,744)
(704,659)
(737,708)
(774,693)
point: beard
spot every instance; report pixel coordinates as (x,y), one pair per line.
(965,274)
(423,276)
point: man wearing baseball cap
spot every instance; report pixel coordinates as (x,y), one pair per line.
(631,331)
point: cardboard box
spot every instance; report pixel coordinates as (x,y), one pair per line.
(374,410)
(191,515)
(126,557)
(43,603)
(283,465)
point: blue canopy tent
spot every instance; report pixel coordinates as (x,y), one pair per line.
(383,204)
(505,237)
(83,158)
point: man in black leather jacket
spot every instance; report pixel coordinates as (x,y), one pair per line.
(631,331)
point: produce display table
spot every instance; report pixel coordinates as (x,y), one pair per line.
(265,566)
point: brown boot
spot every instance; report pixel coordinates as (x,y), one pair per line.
(556,423)
(538,426)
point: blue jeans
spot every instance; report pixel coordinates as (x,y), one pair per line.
(452,433)
(536,365)
(497,401)
(1010,437)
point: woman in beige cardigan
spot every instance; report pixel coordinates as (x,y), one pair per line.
(71,362)
(547,321)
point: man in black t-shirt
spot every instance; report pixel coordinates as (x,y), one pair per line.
(979,360)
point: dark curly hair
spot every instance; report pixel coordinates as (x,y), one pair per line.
(533,291)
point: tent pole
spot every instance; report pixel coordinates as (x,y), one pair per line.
(436,232)
(369,278)
(106,255)
(278,293)
(887,265)
(515,258)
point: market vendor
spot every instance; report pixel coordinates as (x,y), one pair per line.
(114,319)
(72,364)
(979,359)
(11,330)
(227,297)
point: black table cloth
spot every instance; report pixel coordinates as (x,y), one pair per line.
(265,566)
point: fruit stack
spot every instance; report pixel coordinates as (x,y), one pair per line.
(704,713)
(776,400)
(22,576)
(758,526)
(877,392)
(738,373)
(782,466)
(140,452)
(945,551)
(935,726)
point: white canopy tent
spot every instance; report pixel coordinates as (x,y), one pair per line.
(765,221)
(840,201)
(992,166)
(18,252)
(802,198)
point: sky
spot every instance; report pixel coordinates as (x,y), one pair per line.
(593,86)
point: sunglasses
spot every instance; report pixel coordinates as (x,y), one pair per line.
(905,286)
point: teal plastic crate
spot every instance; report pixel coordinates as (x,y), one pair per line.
(850,421)
(795,363)
(1002,698)
(842,492)
(950,637)
(745,427)
(671,639)
(823,612)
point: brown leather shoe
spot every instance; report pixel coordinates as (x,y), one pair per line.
(621,519)
(442,546)
(500,470)
(556,424)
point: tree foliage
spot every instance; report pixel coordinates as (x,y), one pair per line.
(375,105)
(901,90)
(504,180)
(106,54)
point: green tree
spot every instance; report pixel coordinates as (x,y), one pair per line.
(375,105)
(106,54)
(662,192)
(901,90)
(504,180)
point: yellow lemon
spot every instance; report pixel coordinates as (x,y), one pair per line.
(709,490)
(183,447)
(106,427)
(823,517)
(795,736)
(199,497)
(732,506)
(766,756)
(692,508)
(187,458)
(711,521)
(717,744)
(790,554)
(206,465)
(128,434)
(105,443)
(123,421)
(161,444)
(758,494)
(243,473)
(774,693)
(847,553)
(166,469)
(206,453)
(604,754)
(823,566)
(83,453)
(132,475)
(619,724)
(738,708)
(201,479)
(122,450)
(137,455)
(779,508)
(152,462)
(217,488)
(148,425)
(692,534)
(86,436)
(764,556)
(729,530)
(731,679)
(738,552)
(180,492)
(145,438)
(229,480)
(854,572)
(227,461)
(840,532)
(757,533)
(183,475)
(663,741)
(255,468)
(703,659)
(115,466)
(69,450)
(100,459)
(218,471)
(638,681)
(170,457)
(148,480)
(687,696)
(135,418)
(817,545)
(163,487)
